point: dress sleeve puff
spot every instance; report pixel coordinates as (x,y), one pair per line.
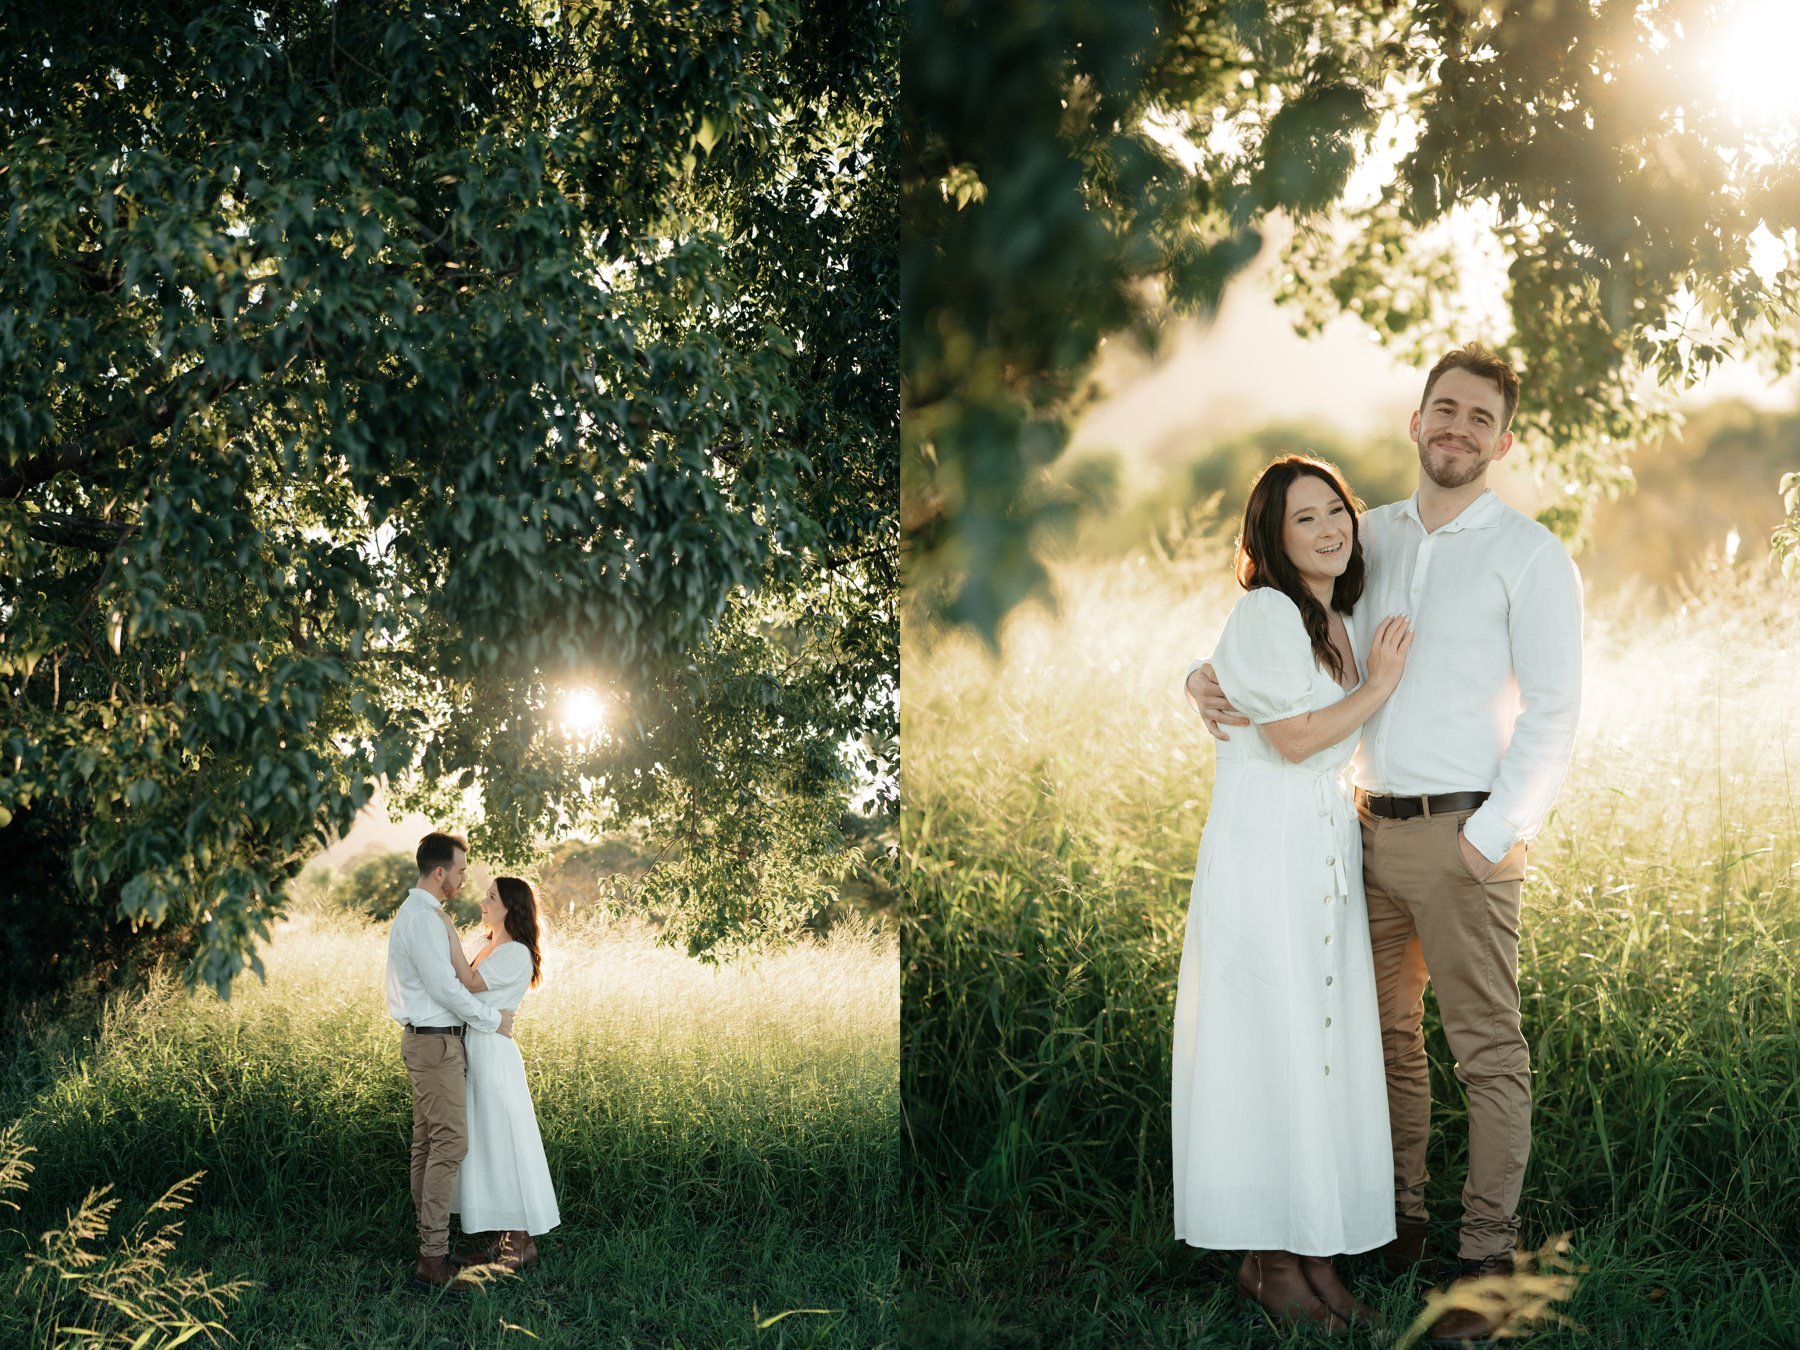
(507,972)
(1264,660)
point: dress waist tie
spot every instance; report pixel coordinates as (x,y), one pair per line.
(1335,800)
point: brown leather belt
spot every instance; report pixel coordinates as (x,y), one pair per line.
(1405,808)
(435,1031)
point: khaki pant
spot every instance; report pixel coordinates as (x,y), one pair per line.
(1429,919)
(440,1138)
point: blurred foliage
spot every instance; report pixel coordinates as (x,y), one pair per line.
(1705,498)
(48,942)
(368,375)
(1082,168)
(1785,539)
(872,887)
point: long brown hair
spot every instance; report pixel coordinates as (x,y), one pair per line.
(1262,561)
(522,919)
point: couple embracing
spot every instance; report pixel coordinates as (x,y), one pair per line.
(476,1150)
(1435,644)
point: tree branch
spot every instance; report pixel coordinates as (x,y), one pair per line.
(88,442)
(838,564)
(151,416)
(64,530)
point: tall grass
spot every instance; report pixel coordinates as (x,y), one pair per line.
(722,1140)
(1054,802)
(82,1286)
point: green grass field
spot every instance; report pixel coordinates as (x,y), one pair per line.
(723,1143)
(1054,802)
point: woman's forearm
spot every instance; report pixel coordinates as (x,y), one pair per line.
(466,974)
(1301,737)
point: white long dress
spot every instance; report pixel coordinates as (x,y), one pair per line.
(504,1182)
(1280,1101)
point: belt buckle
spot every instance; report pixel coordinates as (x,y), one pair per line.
(1405,808)
(1392,807)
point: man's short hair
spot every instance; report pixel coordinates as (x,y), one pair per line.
(439,850)
(1481,360)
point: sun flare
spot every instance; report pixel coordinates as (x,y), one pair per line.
(1749,58)
(581,712)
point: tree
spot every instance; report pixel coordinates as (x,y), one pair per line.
(590,875)
(373,376)
(1079,169)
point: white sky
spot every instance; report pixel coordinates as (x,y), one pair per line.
(373,829)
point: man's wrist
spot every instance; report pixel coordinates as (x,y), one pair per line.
(1482,841)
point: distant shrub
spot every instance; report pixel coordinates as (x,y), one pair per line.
(589,879)
(374,882)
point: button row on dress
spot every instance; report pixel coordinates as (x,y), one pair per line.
(1330,861)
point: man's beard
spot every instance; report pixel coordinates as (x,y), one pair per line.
(1444,471)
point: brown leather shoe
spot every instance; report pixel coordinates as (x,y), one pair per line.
(1275,1282)
(437,1273)
(1407,1250)
(1468,1326)
(1344,1305)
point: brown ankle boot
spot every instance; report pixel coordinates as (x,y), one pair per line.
(517,1250)
(1407,1250)
(1323,1278)
(1275,1281)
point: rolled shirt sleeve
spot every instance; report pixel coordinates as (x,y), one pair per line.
(1544,615)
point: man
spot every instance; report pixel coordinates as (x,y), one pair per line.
(1455,772)
(425,997)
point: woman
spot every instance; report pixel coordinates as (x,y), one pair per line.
(504,1185)
(1280,1104)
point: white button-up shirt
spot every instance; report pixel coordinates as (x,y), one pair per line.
(422,988)
(1492,687)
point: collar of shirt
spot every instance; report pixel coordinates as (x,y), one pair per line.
(1482,513)
(424,895)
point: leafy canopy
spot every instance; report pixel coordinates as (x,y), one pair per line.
(1084,168)
(372,376)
